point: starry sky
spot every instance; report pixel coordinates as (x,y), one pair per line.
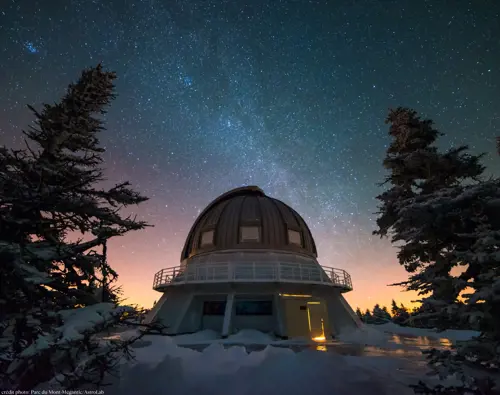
(287,95)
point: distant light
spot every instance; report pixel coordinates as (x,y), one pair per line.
(295,296)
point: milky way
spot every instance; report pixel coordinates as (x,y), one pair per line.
(287,95)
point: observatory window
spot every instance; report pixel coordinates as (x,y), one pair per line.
(249,233)
(214,308)
(207,238)
(254,307)
(294,237)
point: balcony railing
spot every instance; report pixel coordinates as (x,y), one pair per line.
(222,272)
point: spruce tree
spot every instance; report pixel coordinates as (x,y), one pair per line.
(51,282)
(394,308)
(379,315)
(400,314)
(386,314)
(441,214)
(367,317)
(478,253)
(418,173)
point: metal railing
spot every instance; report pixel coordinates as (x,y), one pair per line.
(221,272)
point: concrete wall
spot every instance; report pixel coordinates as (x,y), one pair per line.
(263,323)
(213,322)
(181,308)
(194,320)
(174,307)
(341,316)
(153,313)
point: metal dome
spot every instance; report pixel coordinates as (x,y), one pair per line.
(246,219)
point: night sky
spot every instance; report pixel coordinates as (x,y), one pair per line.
(287,95)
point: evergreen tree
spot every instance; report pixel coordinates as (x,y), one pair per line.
(386,314)
(394,308)
(418,174)
(399,313)
(367,317)
(379,316)
(359,313)
(52,287)
(441,214)
(401,316)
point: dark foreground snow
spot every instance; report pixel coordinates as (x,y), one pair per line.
(170,365)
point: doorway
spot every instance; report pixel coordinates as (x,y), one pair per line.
(296,318)
(306,318)
(317,319)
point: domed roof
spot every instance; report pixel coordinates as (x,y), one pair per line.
(245,218)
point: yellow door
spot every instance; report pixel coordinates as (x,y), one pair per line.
(317,317)
(296,318)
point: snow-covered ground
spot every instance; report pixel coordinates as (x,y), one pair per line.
(170,364)
(451,335)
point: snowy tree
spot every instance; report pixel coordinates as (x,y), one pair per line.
(400,313)
(379,315)
(367,317)
(441,215)
(418,173)
(387,315)
(478,254)
(52,283)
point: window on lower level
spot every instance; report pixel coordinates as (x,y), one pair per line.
(207,238)
(254,307)
(294,237)
(249,234)
(214,308)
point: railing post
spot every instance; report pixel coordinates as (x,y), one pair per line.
(278,266)
(253,270)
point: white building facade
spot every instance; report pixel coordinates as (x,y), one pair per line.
(250,262)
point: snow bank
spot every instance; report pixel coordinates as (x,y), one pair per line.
(452,335)
(201,337)
(164,367)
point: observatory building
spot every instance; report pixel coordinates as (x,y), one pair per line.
(249,262)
